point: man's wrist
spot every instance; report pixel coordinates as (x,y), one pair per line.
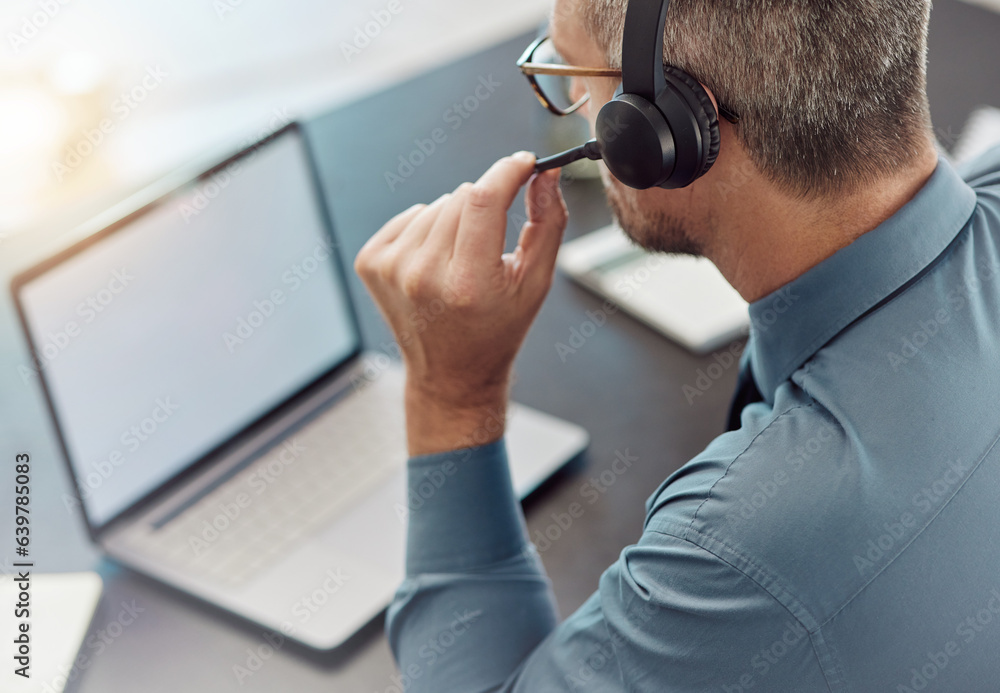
(438,422)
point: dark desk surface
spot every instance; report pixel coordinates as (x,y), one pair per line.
(624,384)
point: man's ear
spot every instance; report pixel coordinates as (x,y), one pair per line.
(715,101)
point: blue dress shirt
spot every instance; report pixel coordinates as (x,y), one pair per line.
(845,538)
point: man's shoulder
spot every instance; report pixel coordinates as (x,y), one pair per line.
(782,500)
(768,454)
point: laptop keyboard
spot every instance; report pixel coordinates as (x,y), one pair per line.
(297,487)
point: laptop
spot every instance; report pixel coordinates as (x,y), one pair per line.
(226,432)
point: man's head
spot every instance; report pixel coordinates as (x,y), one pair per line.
(831,97)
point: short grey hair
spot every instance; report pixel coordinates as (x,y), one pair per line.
(831,93)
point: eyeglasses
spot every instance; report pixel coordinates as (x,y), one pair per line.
(552,79)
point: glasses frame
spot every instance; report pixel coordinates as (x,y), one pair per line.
(529,69)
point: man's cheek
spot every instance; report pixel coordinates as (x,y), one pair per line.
(614,196)
(605,176)
(613,188)
(609,187)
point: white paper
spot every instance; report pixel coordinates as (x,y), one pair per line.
(61,608)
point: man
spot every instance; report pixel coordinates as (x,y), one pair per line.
(842,537)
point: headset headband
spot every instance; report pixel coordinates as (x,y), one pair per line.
(642,48)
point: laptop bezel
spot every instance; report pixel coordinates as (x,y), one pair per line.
(154,495)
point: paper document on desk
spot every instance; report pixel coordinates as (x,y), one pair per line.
(60,610)
(684,298)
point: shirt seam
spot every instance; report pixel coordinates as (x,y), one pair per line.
(819,658)
(761,432)
(472,561)
(930,521)
(793,602)
(835,664)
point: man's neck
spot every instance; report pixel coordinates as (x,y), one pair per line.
(767,238)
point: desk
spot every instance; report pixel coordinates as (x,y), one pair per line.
(624,384)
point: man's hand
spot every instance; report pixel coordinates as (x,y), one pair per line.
(459,307)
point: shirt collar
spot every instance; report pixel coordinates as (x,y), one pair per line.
(790,325)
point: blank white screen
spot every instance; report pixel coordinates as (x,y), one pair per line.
(149,348)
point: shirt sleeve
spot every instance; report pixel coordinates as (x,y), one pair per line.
(475,601)
(476,612)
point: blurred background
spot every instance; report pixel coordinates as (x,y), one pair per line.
(100,97)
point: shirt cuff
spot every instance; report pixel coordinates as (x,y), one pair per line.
(463,514)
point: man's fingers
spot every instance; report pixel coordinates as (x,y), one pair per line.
(392,228)
(484,216)
(441,239)
(371,259)
(416,231)
(542,235)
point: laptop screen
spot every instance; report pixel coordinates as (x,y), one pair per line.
(188,321)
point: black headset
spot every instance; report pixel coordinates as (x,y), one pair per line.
(661,128)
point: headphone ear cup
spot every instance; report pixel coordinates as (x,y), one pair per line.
(704,111)
(635,140)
